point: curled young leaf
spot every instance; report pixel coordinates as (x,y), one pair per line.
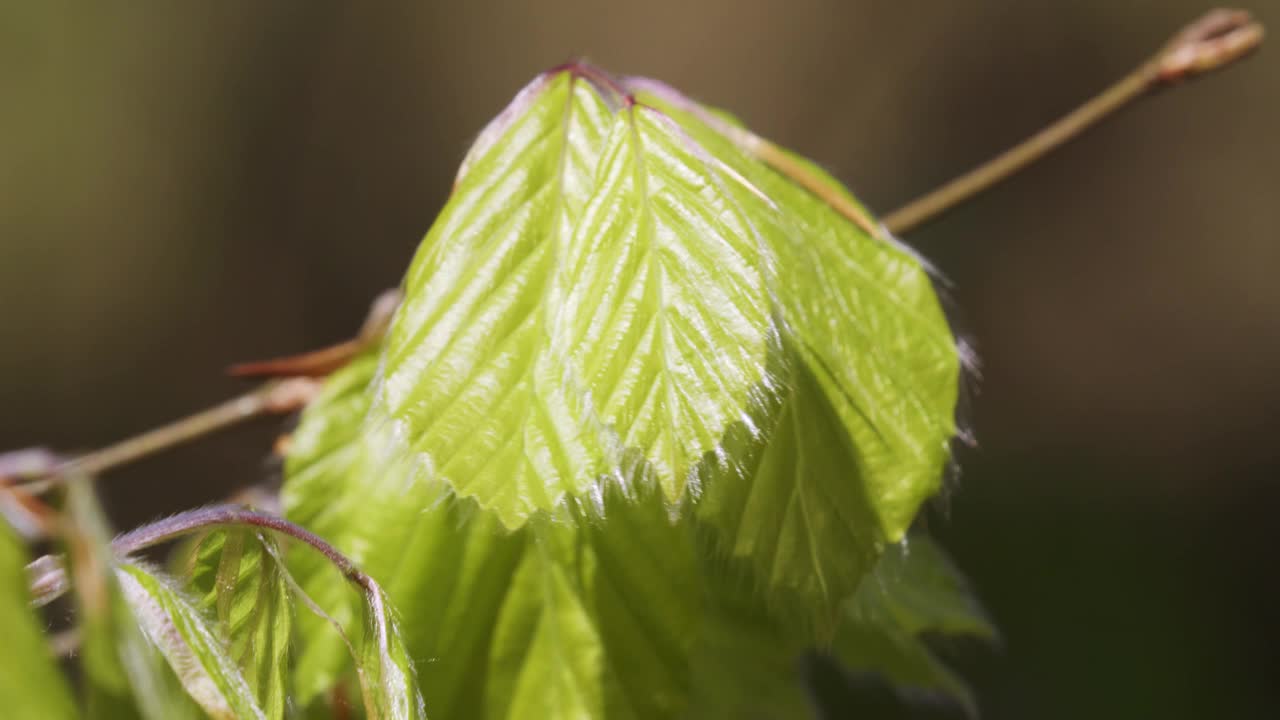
(343,485)
(179,630)
(237,579)
(387,676)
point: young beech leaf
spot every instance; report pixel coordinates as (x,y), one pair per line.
(617,284)
(124,674)
(31,685)
(387,677)
(914,593)
(589,294)
(624,332)
(177,627)
(235,576)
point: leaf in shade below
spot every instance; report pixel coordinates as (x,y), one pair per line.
(914,596)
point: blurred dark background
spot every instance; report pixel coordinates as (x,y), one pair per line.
(184,186)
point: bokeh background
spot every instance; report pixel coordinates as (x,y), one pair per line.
(186,185)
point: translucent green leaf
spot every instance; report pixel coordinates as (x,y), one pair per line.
(467,361)
(915,593)
(619,317)
(178,629)
(31,686)
(589,298)
(548,656)
(125,675)
(609,287)
(237,580)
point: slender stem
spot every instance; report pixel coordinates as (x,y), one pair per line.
(275,397)
(233,411)
(1214,41)
(185,523)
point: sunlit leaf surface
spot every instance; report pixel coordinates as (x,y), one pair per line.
(630,357)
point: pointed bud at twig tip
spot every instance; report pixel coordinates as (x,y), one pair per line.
(1214,41)
(291,395)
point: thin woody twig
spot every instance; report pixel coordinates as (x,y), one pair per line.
(1215,41)
(275,397)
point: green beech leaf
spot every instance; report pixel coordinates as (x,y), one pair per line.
(125,675)
(237,580)
(590,297)
(178,629)
(612,285)
(793,507)
(919,584)
(31,686)
(622,331)
(915,593)
(467,362)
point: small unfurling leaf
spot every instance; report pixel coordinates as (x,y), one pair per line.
(238,581)
(195,653)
